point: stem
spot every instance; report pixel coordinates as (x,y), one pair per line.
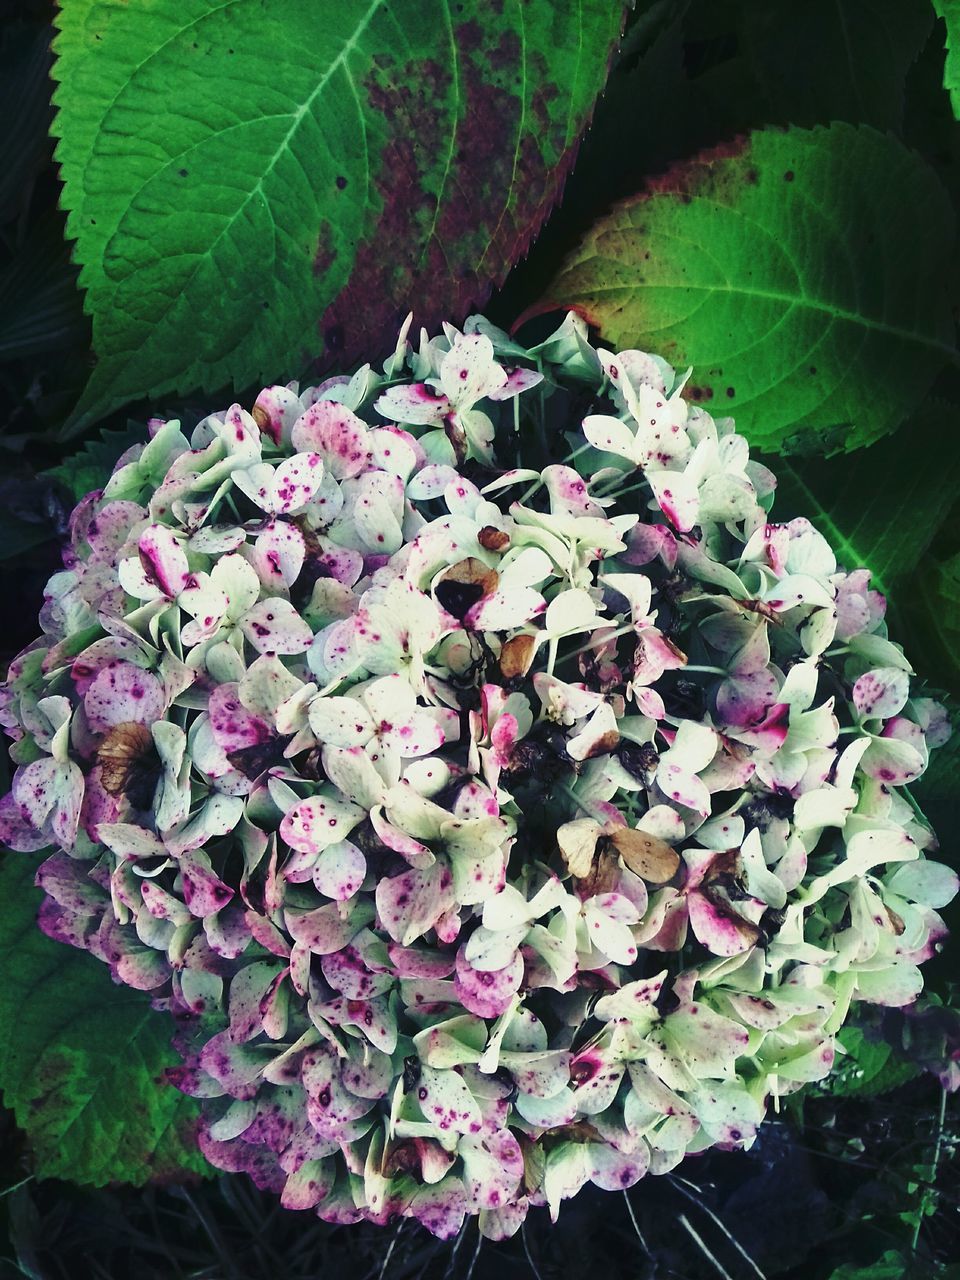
(914,804)
(699,1241)
(620,631)
(612,488)
(571,795)
(687,1189)
(552,654)
(636,1227)
(936,1162)
(631,488)
(537,484)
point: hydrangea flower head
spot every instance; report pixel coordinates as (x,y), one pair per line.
(494,822)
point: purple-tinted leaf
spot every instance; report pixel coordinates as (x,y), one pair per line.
(457,127)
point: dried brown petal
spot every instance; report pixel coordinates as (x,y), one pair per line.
(464,584)
(493,539)
(606,743)
(896,921)
(516,656)
(647,856)
(129,764)
(578,844)
(121,750)
(604,875)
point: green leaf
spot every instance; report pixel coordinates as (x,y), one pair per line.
(938,795)
(883,513)
(836,59)
(933,615)
(870,1067)
(253,186)
(949,11)
(81,1058)
(892,1266)
(91,467)
(801,274)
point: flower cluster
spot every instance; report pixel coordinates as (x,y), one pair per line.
(497,821)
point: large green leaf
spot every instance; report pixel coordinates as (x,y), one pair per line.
(81,1058)
(933,617)
(255,184)
(883,511)
(949,11)
(801,274)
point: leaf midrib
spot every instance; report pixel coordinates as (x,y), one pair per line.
(810,304)
(281,149)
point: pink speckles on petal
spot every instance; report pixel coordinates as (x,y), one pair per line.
(121,694)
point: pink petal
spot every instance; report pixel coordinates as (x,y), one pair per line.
(440,1208)
(337,434)
(492,1168)
(613,1170)
(16,829)
(279,409)
(744,701)
(683,787)
(164,560)
(317,822)
(274,626)
(410,904)
(278,555)
(295,482)
(487,994)
(233,726)
(123,694)
(518,380)
(203,891)
(881,693)
(718,933)
(325,930)
(677,498)
(340,870)
(416,405)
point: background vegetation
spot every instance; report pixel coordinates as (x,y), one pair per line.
(224,195)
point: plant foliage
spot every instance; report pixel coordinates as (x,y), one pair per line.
(748,251)
(81,1062)
(261,190)
(279,181)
